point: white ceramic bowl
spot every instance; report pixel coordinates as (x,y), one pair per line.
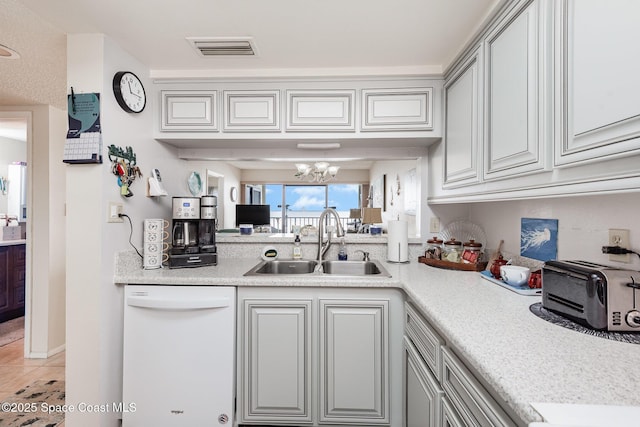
(514,275)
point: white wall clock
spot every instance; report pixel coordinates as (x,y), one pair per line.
(129,92)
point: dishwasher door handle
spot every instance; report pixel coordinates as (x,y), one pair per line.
(177,303)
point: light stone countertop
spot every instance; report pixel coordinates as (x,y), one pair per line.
(521,357)
(13,242)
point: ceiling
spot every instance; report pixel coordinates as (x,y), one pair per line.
(292,37)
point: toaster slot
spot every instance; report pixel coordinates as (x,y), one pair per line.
(565,302)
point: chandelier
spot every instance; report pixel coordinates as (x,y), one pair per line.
(319,172)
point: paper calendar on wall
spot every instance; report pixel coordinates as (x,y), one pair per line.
(84,137)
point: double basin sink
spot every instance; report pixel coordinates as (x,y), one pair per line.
(329,267)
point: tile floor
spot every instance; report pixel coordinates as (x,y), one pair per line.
(17,372)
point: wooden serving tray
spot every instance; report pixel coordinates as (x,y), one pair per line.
(462,266)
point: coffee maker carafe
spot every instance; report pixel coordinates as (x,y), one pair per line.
(193,239)
(185,236)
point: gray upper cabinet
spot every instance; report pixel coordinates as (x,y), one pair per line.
(251,111)
(555,91)
(402,111)
(184,110)
(518,94)
(397,109)
(462,94)
(321,110)
(597,81)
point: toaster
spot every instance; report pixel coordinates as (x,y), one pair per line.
(598,296)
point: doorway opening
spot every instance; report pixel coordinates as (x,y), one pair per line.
(15,132)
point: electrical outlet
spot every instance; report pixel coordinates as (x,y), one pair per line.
(619,237)
(434,224)
(115,209)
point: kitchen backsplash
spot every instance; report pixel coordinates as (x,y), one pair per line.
(583,224)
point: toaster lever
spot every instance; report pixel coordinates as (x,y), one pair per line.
(633,284)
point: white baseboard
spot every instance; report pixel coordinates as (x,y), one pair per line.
(41,355)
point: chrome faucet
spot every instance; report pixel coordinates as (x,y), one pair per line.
(324,246)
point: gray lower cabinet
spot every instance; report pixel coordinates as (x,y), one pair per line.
(474,404)
(450,417)
(439,389)
(354,361)
(277,362)
(423,393)
(315,356)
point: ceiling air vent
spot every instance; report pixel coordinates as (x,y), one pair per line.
(223,46)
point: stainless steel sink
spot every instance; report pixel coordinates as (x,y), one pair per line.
(354,268)
(329,268)
(285,266)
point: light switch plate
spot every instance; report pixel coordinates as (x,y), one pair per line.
(434,224)
(114,209)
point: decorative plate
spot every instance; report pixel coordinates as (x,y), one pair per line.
(463,231)
(195,184)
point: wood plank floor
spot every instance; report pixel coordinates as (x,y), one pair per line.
(17,372)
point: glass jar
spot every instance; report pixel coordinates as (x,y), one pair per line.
(452,250)
(434,248)
(472,252)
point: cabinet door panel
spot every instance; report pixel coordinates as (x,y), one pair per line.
(18,257)
(249,111)
(320,110)
(397,109)
(5,278)
(353,361)
(422,391)
(473,402)
(462,131)
(450,417)
(515,95)
(277,374)
(425,339)
(189,110)
(598,81)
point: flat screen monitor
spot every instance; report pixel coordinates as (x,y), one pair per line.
(253,214)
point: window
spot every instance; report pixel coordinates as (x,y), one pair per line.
(302,204)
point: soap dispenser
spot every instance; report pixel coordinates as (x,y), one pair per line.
(342,253)
(297,250)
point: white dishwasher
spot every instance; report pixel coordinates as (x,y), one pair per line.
(179,354)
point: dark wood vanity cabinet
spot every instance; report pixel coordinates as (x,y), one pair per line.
(12,281)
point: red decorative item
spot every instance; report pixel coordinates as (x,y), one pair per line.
(495,267)
(535,279)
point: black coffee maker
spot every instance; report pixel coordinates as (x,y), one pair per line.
(208,223)
(192,238)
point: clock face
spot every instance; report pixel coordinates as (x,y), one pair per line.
(129,92)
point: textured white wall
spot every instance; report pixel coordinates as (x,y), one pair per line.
(94,302)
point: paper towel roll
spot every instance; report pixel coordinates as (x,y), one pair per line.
(397,241)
